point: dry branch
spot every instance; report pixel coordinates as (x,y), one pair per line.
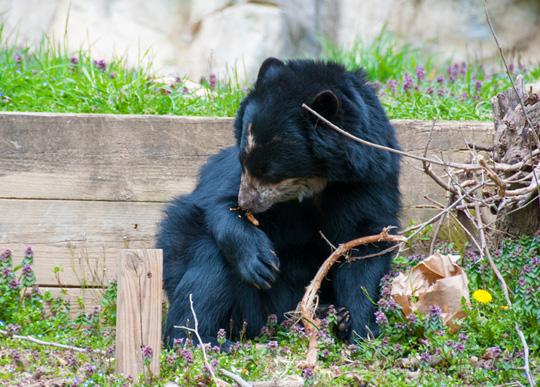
(308,305)
(51,344)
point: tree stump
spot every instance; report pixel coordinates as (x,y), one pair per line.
(513,143)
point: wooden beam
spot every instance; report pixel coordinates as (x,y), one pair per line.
(138,322)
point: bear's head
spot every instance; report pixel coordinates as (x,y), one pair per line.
(284,151)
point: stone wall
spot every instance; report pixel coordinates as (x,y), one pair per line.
(196,37)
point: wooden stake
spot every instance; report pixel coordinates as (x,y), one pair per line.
(138,314)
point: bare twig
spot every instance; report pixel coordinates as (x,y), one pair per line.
(532,129)
(419,227)
(195,330)
(241,382)
(382,147)
(308,305)
(51,344)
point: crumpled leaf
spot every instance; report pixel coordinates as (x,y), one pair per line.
(437,280)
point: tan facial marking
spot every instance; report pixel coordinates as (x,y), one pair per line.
(250,139)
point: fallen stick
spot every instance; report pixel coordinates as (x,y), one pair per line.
(308,305)
(51,344)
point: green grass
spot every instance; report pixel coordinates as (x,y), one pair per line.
(410,351)
(47,79)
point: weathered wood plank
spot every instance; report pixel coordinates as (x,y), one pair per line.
(104,157)
(82,237)
(144,158)
(138,322)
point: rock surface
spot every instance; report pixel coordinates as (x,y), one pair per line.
(199,37)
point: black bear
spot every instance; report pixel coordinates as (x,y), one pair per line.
(299,178)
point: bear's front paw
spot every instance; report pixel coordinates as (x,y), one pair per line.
(259,268)
(252,256)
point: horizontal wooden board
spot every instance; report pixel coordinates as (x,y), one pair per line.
(104,157)
(144,158)
(81,237)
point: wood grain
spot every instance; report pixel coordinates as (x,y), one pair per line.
(82,237)
(138,323)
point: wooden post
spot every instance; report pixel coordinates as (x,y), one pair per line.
(138,314)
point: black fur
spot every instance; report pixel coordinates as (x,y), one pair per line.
(237,272)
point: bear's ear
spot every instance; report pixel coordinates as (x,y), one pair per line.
(326,103)
(269,69)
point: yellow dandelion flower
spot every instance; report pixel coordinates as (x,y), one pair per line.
(504,307)
(482,296)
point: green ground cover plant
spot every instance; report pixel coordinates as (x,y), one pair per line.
(411,350)
(49,78)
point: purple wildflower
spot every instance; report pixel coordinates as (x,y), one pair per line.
(459,347)
(440,79)
(71,361)
(213,80)
(527,269)
(522,281)
(6,254)
(407,82)
(463,68)
(463,337)
(237,346)
(425,357)
(112,75)
(493,352)
(216,349)
(272,345)
(6,272)
(221,335)
(89,369)
(453,72)
(16,356)
(380,318)
(435,311)
(186,355)
(307,373)
(411,318)
(478,85)
(74,60)
(440,92)
(535,261)
(420,73)
(178,342)
(27,270)
(429,90)
(29,252)
(385,340)
(463,96)
(265,331)
(511,67)
(392,84)
(13,284)
(12,329)
(17,58)
(272,319)
(100,64)
(171,358)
